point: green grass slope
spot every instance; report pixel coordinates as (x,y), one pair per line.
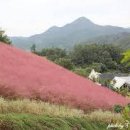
(24,114)
(35,122)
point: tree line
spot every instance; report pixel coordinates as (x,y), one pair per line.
(83,57)
(4,38)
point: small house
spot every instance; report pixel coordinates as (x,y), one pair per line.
(119,82)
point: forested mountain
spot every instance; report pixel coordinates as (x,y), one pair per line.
(120,39)
(79,31)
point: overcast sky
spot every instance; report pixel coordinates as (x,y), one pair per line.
(27,17)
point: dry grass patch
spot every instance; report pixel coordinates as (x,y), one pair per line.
(105,116)
(36,107)
(27,106)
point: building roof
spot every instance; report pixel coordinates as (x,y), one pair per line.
(110,76)
(120,81)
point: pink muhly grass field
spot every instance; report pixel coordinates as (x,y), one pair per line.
(23,74)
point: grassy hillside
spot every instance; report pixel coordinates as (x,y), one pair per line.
(36,115)
(25,75)
(33,122)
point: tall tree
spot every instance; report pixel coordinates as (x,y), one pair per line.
(53,53)
(33,48)
(4,38)
(126,58)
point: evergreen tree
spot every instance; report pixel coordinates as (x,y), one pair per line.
(4,38)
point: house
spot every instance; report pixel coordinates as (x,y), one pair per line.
(116,80)
(119,82)
(104,76)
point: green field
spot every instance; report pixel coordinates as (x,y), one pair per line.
(39,122)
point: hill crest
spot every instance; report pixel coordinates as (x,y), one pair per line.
(23,74)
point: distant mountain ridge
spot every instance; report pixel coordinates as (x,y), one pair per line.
(79,31)
(119,39)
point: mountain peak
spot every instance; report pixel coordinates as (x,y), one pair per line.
(53,28)
(83,20)
(80,23)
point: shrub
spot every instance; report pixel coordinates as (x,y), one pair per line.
(126,112)
(66,63)
(105,83)
(81,71)
(118,108)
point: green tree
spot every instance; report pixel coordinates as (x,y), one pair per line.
(4,38)
(33,48)
(114,51)
(53,53)
(82,71)
(99,67)
(125,62)
(126,58)
(83,55)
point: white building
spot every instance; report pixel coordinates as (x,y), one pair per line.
(118,82)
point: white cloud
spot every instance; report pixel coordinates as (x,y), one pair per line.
(27,17)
